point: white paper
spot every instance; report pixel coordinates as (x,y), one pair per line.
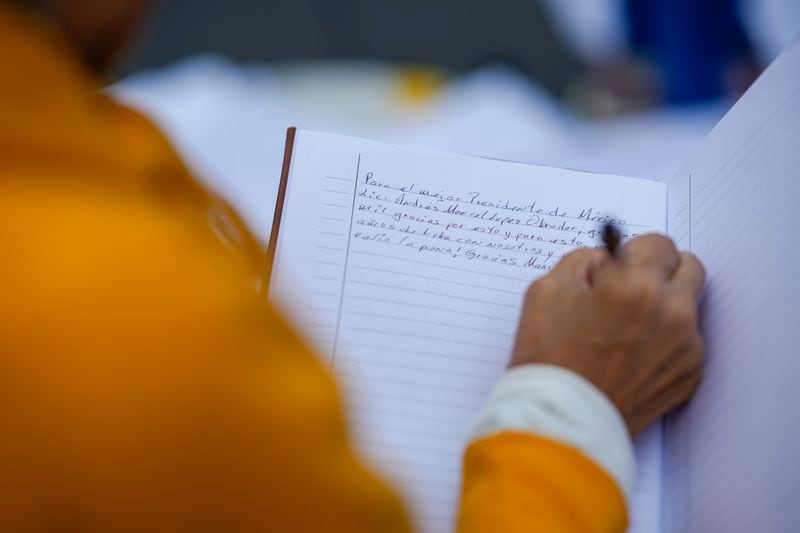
(406,270)
(732,461)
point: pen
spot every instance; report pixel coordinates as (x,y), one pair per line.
(611,239)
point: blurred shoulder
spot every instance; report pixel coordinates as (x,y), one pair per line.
(87,254)
(98,284)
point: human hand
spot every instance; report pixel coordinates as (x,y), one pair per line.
(629,326)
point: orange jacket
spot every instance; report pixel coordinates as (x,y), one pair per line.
(144,385)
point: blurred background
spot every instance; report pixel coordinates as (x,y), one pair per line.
(615,86)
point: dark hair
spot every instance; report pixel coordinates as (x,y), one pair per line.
(30,4)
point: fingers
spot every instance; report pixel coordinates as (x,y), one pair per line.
(654,253)
(582,264)
(690,276)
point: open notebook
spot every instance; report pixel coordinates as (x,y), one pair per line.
(405,269)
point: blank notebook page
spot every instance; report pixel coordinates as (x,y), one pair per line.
(406,270)
(732,456)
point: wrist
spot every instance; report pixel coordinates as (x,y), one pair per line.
(560,404)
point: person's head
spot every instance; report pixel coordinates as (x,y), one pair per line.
(101,29)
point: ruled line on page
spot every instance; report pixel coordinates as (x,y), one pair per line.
(467,409)
(359,376)
(417,336)
(391,364)
(434,293)
(455,357)
(433,278)
(505,334)
(433,308)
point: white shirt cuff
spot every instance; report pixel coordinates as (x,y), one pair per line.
(557,403)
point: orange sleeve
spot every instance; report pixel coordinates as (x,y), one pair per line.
(515,482)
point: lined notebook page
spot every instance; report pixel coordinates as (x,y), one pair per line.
(406,271)
(732,456)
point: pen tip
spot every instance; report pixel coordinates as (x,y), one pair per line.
(611,237)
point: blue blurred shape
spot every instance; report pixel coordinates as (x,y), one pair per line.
(692,43)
